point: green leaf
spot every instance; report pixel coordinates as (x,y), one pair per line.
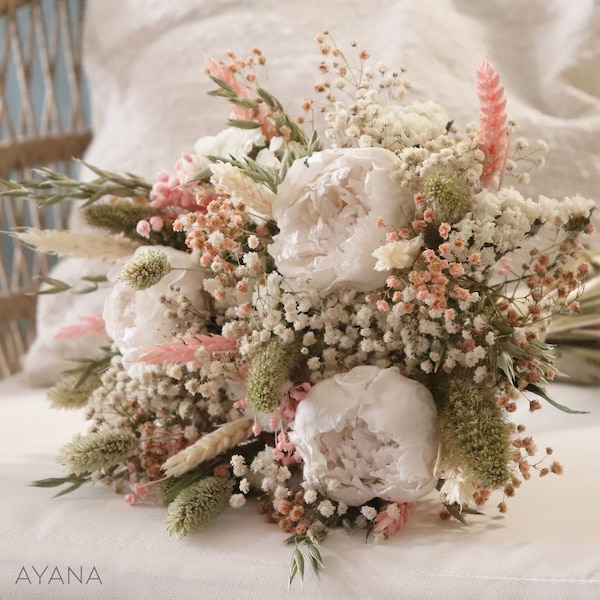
(534,389)
(297,566)
(76,482)
(240,124)
(456,511)
(56,286)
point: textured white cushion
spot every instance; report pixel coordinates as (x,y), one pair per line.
(144,60)
(544,548)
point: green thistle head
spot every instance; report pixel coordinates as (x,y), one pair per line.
(118,217)
(268,373)
(447,195)
(145,270)
(99,450)
(474,431)
(198,504)
(70,392)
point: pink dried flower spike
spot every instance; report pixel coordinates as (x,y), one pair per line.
(181,352)
(90,325)
(493,132)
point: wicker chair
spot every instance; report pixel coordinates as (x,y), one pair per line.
(42,123)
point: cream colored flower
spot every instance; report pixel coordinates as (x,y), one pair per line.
(399,254)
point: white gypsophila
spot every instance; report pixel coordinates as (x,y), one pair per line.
(399,254)
(137,320)
(328,210)
(571,206)
(502,218)
(400,126)
(367,433)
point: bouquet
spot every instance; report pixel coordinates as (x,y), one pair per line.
(333,322)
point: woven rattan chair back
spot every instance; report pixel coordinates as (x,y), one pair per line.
(42,123)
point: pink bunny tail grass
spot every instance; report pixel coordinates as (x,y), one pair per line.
(91,325)
(493,132)
(182,352)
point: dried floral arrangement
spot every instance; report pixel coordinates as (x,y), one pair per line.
(334,323)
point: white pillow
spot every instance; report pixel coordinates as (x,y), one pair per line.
(144,61)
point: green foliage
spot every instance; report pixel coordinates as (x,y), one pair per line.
(198,504)
(55,187)
(268,374)
(56,286)
(118,217)
(310,541)
(474,431)
(71,391)
(98,450)
(75,481)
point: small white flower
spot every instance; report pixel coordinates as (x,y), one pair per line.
(326,508)
(237,500)
(368,512)
(310,496)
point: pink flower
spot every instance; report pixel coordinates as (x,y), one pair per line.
(180,352)
(392,517)
(493,133)
(92,325)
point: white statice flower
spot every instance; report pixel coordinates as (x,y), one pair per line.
(399,254)
(137,320)
(328,210)
(370,430)
(400,126)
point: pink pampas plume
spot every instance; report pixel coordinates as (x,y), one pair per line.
(182,352)
(493,132)
(91,325)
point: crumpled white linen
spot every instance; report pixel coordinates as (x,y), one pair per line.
(544,548)
(144,61)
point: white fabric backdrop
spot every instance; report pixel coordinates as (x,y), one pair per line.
(544,548)
(145,61)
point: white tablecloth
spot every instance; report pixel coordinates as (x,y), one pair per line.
(546,547)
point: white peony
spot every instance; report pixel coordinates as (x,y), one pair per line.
(231,141)
(327,210)
(368,433)
(136,320)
